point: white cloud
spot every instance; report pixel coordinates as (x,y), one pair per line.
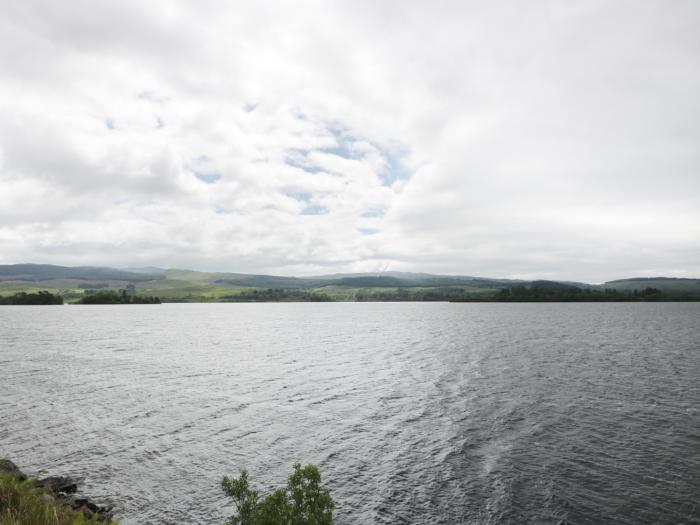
(548,139)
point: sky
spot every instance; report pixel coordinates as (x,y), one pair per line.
(533,139)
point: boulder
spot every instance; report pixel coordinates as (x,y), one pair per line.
(7,467)
(58,485)
(88,508)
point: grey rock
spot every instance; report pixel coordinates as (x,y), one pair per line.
(7,467)
(88,508)
(58,484)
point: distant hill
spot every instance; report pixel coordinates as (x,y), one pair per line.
(410,279)
(145,269)
(45,272)
(270,281)
(553,284)
(399,275)
(191,285)
(372,281)
(420,279)
(665,284)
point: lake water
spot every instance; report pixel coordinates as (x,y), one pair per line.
(425,413)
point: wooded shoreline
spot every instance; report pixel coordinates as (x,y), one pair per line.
(515,294)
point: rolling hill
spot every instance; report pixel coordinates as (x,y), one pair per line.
(194,286)
(665,284)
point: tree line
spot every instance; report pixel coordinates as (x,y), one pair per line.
(515,294)
(114,297)
(43,297)
(273,295)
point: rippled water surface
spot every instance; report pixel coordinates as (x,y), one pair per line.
(415,412)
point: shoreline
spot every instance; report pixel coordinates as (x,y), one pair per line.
(59,490)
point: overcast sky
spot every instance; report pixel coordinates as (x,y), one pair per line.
(507,139)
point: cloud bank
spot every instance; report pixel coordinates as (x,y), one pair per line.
(546,139)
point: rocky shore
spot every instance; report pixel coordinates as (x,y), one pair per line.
(64,489)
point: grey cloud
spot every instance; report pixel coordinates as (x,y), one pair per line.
(552,139)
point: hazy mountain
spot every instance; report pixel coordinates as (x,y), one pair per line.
(145,269)
(45,272)
(665,284)
(398,275)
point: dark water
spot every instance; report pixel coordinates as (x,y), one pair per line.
(415,413)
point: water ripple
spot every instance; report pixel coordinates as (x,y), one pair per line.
(415,413)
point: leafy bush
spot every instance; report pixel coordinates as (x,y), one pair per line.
(304,501)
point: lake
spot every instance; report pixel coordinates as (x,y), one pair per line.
(415,413)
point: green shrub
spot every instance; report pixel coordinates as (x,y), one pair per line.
(304,501)
(23,504)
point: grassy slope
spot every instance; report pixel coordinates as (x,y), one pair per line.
(13,287)
(22,504)
(199,290)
